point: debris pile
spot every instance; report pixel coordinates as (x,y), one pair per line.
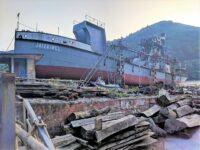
(56,91)
(101,129)
(173,113)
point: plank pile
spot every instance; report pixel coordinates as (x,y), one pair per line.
(104,130)
(55,91)
(173,114)
(66,142)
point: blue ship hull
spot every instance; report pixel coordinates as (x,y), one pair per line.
(73,59)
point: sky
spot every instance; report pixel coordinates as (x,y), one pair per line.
(121,17)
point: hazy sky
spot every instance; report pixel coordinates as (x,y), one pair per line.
(121,16)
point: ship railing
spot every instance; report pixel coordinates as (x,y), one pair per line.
(95,21)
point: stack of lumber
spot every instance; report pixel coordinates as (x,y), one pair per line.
(55,91)
(66,142)
(173,114)
(105,130)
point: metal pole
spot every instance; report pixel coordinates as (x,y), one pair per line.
(12,65)
(7,111)
(18,21)
(43,134)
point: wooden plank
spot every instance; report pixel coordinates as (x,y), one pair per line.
(184,110)
(166,100)
(184,102)
(68,129)
(60,141)
(84,143)
(125,142)
(151,111)
(145,142)
(88,131)
(87,114)
(190,120)
(167,113)
(142,124)
(172,107)
(108,117)
(125,134)
(72,146)
(173,125)
(115,126)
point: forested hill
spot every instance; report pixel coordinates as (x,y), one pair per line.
(182,42)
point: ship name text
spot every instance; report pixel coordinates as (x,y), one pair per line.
(47,47)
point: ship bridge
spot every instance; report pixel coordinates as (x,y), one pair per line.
(91,32)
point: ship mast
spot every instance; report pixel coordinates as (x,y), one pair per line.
(18,21)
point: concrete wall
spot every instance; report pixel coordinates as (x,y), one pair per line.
(55,112)
(30,68)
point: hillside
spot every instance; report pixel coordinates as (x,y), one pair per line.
(182,42)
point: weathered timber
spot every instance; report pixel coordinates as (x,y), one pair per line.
(145,142)
(172,106)
(108,117)
(142,123)
(167,113)
(151,111)
(72,146)
(98,123)
(84,143)
(124,134)
(68,129)
(88,132)
(87,114)
(184,102)
(128,141)
(115,126)
(159,119)
(157,130)
(184,110)
(190,120)
(166,100)
(28,139)
(60,141)
(196,105)
(174,125)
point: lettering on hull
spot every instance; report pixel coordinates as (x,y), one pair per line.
(47,47)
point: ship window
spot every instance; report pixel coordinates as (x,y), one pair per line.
(4,67)
(52,39)
(25,35)
(64,42)
(132,68)
(20,37)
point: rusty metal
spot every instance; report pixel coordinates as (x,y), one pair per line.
(7,111)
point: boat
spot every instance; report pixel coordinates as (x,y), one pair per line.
(101,83)
(89,56)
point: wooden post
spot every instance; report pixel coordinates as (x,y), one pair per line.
(98,123)
(7,111)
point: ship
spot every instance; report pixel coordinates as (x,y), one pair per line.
(89,56)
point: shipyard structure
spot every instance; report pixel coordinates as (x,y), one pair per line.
(89,56)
